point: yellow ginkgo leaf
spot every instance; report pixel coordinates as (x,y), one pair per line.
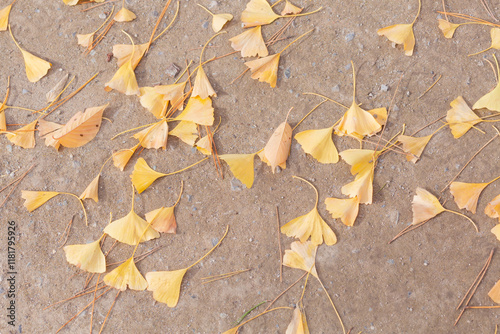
(92,190)
(4,17)
(494,293)
(219,20)
(319,144)
(460,117)
(277,148)
(125,275)
(495,41)
(466,195)
(163,220)
(447,28)
(122,157)
(298,325)
(85,40)
(400,34)
(265,69)
(130,228)
(250,43)
(204,145)
(199,111)
(24,137)
(71,2)
(360,159)
(414,146)
(124,15)
(173,93)
(48,131)
(491,100)
(88,257)
(290,9)
(425,206)
(380,115)
(258,12)
(123,53)
(166,285)
(81,128)
(302,255)
(496,231)
(185,131)
(241,165)
(36,68)
(202,86)
(154,136)
(153,101)
(346,209)
(310,225)
(492,209)
(35,199)
(361,187)
(124,80)
(3,121)
(143,175)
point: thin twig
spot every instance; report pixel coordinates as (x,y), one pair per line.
(93,304)
(283,292)
(15,185)
(428,89)
(279,244)
(107,315)
(66,232)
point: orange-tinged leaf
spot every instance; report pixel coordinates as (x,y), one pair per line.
(302,255)
(361,187)
(88,257)
(241,165)
(124,15)
(154,136)
(124,80)
(319,144)
(219,20)
(199,111)
(263,158)
(278,147)
(81,128)
(166,285)
(400,34)
(152,101)
(310,225)
(346,209)
(357,123)
(447,28)
(258,12)
(290,9)
(163,220)
(92,190)
(129,229)
(35,199)
(125,275)
(494,293)
(4,17)
(265,69)
(250,43)
(143,175)
(85,40)
(24,137)
(460,117)
(298,325)
(49,131)
(414,146)
(122,157)
(202,86)
(425,206)
(466,195)
(185,131)
(204,146)
(492,209)
(123,52)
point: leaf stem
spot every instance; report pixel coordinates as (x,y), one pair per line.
(316,190)
(210,251)
(461,214)
(295,40)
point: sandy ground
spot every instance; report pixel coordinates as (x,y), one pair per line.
(410,286)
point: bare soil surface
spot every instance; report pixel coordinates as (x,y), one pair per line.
(410,286)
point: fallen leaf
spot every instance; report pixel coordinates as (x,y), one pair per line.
(241,165)
(124,15)
(346,209)
(265,69)
(414,146)
(466,195)
(35,199)
(290,9)
(53,94)
(258,12)
(277,148)
(361,187)
(491,100)
(163,219)
(302,255)
(199,111)
(319,144)
(447,28)
(153,101)
(298,325)
(92,190)
(24,137)
(125,275)
(425,206)
(143,176)
(460,117)
(154,136)
(494,293)
(166,285)
(492,209)
(88,257)
(202,86)
(122,157)
(495,41)
(250,43)
(4,17)
(185,131)
(126,52)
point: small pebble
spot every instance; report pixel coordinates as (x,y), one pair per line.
(287,73)
(9,148)
(102,16)
(336,88)
(384,88)
(205,25)
(426,263)
(350,36)
(25,91)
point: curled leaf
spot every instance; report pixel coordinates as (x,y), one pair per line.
(278,147)
(92,190)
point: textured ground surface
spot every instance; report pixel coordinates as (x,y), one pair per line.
(410,286)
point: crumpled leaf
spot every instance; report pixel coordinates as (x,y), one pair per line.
(277,148)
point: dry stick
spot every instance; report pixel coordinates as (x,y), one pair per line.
(427,125)
(98,5)
(284,291)
(213,151)
(74,297)
(100,37)
(76,315)
(428,89)
(68,229)
(468,162)
(279,244)
(158,23)
(488,10)
(226,274)
(15,185)
(90,277)
(107,315)
(475,280)
(93,304)
(482,307)
(444,10)
(137,258)
(470,18)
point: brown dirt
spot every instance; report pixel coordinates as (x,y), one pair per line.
(411,286)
